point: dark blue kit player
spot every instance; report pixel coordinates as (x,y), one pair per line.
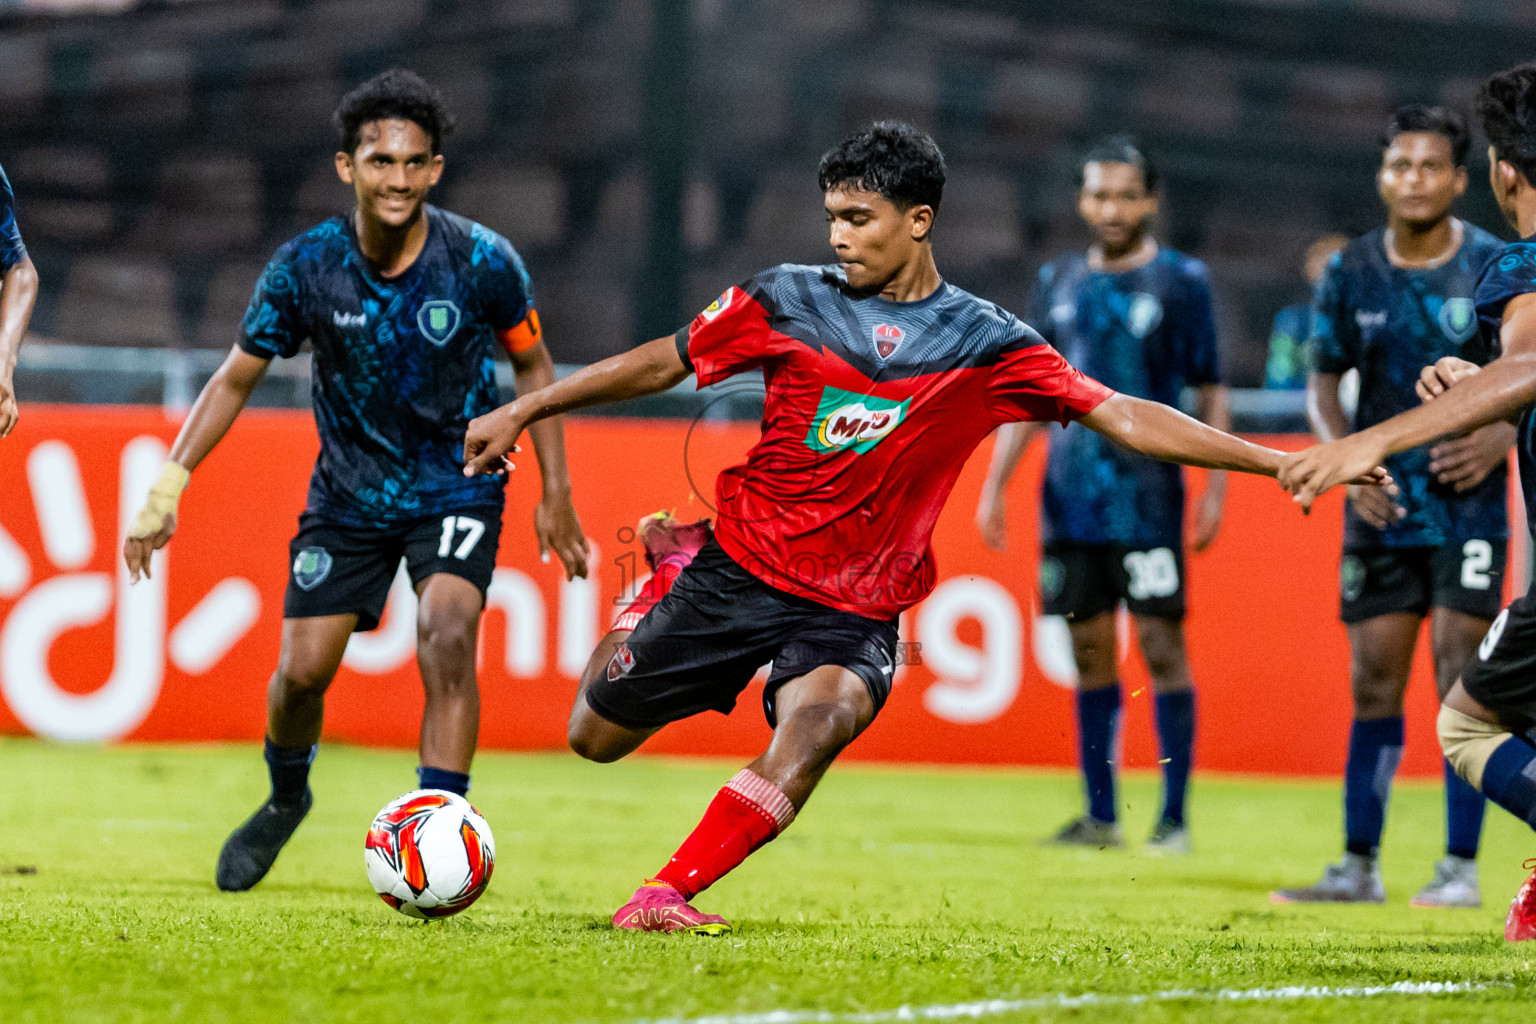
(1392,302)
(18,292)
(1136,316)
(405,307)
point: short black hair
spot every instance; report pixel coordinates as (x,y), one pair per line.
(394,94)
(1416,117)
(1120,149)
(890,158)
(1507,107)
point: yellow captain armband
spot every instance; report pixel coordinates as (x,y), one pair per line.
(162,501)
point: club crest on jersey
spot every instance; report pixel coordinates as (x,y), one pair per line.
(887,338)
(720,305)
(438,320)
(1142,314)
(846,421)
(622,661)
(310,567)
(1458,319)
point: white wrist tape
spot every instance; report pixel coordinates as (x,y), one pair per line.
(162,501)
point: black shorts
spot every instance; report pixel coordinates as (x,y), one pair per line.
(699,647)
(1084,580)
(1466,578)
(1502,678)
(339,569)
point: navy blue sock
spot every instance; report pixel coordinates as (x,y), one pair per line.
(1176,739)
(442,778)
(1375,748)
(1098,714)
(1463,815)
(1510,779)
(289,769)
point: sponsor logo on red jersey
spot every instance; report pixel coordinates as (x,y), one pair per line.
(888,338)
(846,420)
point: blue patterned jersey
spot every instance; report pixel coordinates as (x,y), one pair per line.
(1287,364)
(1390,323)
(12,251)
(1146,332)
(401,364)
(1512,274)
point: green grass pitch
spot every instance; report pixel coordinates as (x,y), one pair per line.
(896,887)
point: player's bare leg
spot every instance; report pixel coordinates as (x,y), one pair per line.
(311,654)
(818,715)
(1167,657)
(670,546)
(1095,648)
(1454,637)
(447,628)
(1380,657)
(591,735)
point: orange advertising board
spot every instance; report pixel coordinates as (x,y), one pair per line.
(187,654)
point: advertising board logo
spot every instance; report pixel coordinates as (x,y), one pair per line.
(79,594)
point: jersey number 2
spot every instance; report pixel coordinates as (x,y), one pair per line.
(473,529)
(1476,560)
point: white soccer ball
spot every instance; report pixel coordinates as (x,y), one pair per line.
(429,853)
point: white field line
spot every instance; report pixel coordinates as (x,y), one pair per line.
(997,1007)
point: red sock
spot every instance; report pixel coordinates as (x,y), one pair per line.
(743,816)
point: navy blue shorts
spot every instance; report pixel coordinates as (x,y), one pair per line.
(339,569)
(700,646)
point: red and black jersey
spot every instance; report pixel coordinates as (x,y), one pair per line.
(872,408)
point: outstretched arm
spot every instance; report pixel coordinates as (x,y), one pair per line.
(645,370)
(554,519)
(1214,409)
(215,410)
(1164,433)
(1500,390)
(1008,446)
(18,292)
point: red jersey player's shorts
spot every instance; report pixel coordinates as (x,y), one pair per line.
(717,624)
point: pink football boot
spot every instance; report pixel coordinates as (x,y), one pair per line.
(657,907)
(1520,926)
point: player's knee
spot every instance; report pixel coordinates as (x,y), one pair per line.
(1468,743)
(302,682)
(1166,662)
(591,748)
(1162,645)
(820,731)
(447,639)
(1376,689)
(593,740)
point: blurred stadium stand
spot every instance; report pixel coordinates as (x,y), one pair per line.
(162,150)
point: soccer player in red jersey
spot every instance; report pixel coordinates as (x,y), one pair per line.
(881,379)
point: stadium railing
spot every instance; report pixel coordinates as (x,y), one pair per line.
(171,378)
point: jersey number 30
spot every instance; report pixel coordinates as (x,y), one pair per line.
(1153,573)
